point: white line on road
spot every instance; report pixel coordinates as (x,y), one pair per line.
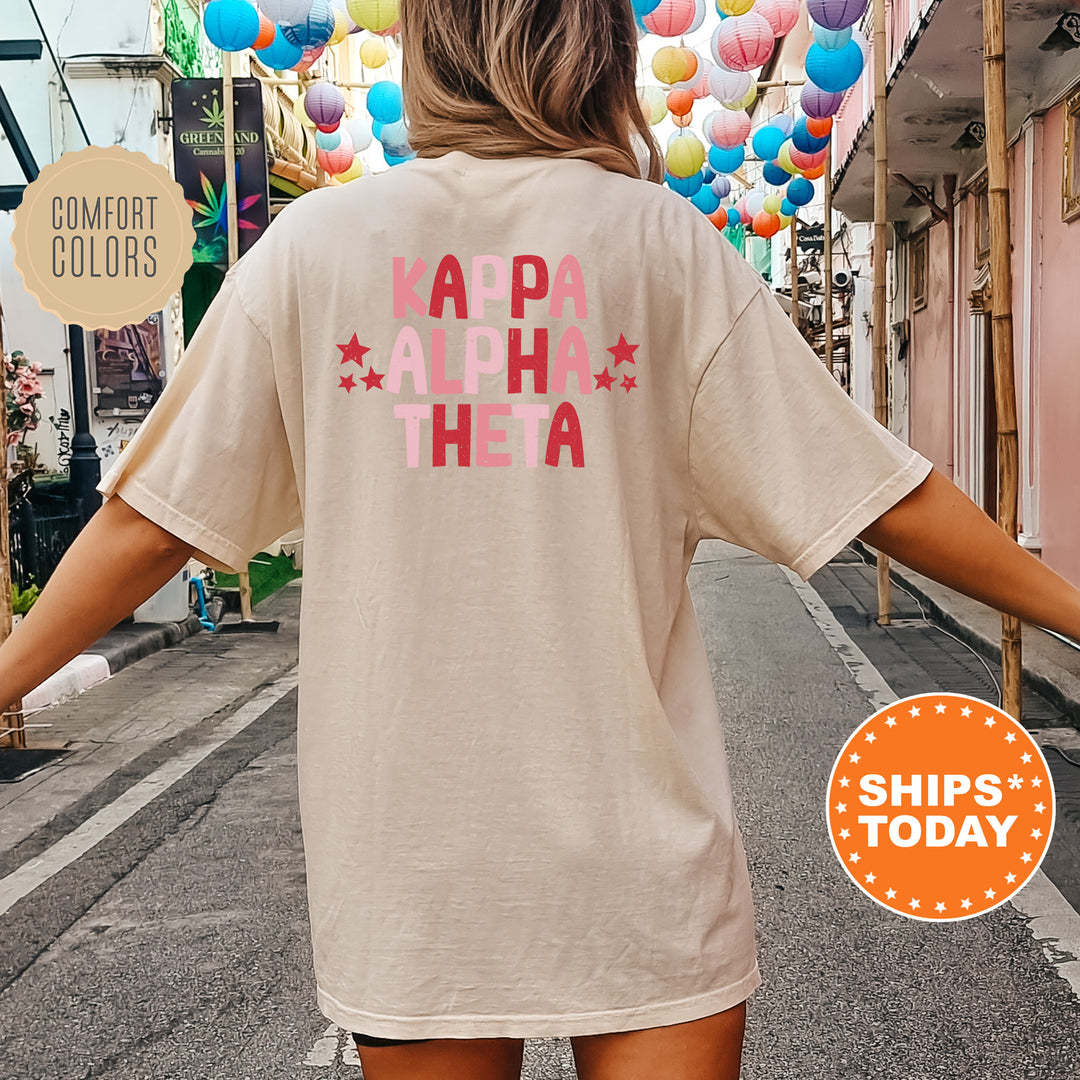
(79,841)
(1052,920)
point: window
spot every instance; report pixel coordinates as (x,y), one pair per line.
(919,252)
(1070,191)
(982,223)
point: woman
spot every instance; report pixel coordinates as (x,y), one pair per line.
(506,388)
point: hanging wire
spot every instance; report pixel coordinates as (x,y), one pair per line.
(59,70)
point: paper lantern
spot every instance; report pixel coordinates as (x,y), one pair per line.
(670,18)
(392,31)
(804,141)
(766,224)
(373,52)
(745,217)
(820,128)
(324,103)
(726,161)
(727,129)
(685,155)
(374,15)
(733,216)
(359,129)
(781,15)
(699,84)
(771,204)
(816,173)
(767,142)
(328,127)
(699,16)
(281,53)
(831,39)
(285,11)
(336,161)
(771,173)
(800,191)
(232,25)
(342,22)
(680,102)
(353,172)
(314,29)
(653,104)
(725,85)
(787,209)
(834,70)
(301,113)
(783,158)
(683,121)
(706,200)
(721,186)
(684,185)
(384,102)
(719,217)
(395,138)
(643,7)
(863,42)
(819,103)
(267,30)
(733,7)
(744,42)
(836,14)
(693,62)
(744,103)
(328,140)
(803,161)
(669,64)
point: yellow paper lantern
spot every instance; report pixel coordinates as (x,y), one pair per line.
(341,27)
(373,52)
(785,220)
(373,15)
(669,64)
(743,104)
(301,113)
(355,170)
(734,7)
(653,104)
(685,155)
(772,204)
(783,159)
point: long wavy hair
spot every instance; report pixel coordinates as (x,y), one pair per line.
(507,78)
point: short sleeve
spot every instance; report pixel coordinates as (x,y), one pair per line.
(782,461)
(211,461)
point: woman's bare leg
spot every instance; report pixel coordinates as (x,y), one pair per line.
(707,1049)
(444,1059)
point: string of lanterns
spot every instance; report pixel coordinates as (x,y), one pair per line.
(291,35)
(792,149)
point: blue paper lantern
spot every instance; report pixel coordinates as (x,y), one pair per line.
(834,70)
(315,29)
(733,216)
(773,174)
(788,208)
(800,191)
(707,175)
(767,142)
(804,141)
(726,161)
(281,53)
(706,200)
(385,104)
(376,129)
(328,140)
(397,159)
(687,186)
(643,7)
(831,39)
(232,25)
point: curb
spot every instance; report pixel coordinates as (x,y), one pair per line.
(121,646)
(1060,685)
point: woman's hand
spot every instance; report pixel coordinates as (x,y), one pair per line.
(117,562)
(938,531)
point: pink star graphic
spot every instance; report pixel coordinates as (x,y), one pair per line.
(623,351)
(353,350)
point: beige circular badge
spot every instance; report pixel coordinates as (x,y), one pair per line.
(103,237)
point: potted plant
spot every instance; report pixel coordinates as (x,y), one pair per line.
(22,600)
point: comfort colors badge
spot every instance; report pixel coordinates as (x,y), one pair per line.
(103,237)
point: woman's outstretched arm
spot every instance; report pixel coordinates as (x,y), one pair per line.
(936,530)
(118,561)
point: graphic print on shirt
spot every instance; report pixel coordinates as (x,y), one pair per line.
(508,354)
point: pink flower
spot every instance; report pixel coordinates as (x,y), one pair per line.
(35,368)
(27,408)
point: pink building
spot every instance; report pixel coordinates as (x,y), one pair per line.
(940,361)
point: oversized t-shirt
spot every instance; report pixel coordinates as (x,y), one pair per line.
(505,398)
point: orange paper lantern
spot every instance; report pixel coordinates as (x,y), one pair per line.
(680,102)
(819,126)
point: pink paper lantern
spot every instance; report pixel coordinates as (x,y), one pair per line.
(727,129)
(781,15)
(744,42)
(340,158)
(670,18)
(807,161)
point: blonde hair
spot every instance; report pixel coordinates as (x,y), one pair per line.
(506,78)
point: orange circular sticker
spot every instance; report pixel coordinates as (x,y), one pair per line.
(103,237)
(940,807)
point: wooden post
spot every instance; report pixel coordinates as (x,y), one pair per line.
(997,166)
(880,342)
(12,731)
(828,260)
(795,270)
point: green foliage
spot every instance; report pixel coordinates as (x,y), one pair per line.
(22,601)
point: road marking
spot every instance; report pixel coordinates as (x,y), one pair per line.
(1052,920)
(325,1049)
(91,832)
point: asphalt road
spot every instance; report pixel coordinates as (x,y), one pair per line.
(177,946)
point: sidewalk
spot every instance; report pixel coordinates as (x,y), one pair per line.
(1050,666)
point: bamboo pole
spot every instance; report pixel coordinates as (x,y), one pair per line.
(881,177)
(828,260)
(12,731)
(997,163)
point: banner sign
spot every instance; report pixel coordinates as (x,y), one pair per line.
(199,163)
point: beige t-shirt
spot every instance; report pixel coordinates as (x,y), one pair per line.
(506,398)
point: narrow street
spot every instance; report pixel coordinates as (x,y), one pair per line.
(168,935)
